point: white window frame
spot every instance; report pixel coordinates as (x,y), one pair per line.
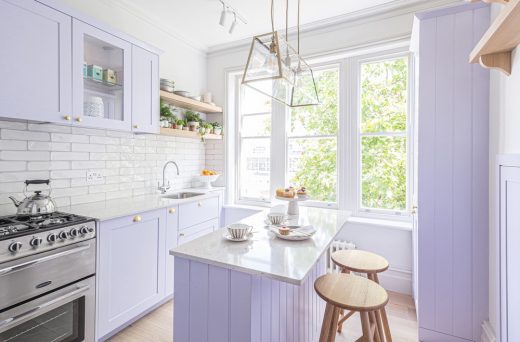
(348,142)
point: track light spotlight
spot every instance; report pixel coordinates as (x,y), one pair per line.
(233,24)
(222,21)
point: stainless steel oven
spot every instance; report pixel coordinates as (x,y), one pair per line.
(47,283)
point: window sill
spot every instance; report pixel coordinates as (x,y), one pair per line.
(390,224)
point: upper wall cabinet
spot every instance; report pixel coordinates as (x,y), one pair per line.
(145,93)
(102,78)
(35,62)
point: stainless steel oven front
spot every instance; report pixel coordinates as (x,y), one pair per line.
(49,296)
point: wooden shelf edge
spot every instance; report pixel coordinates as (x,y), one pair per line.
(187,103)
(188,134)
(502,37)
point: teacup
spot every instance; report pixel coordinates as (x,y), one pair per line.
(276,218)
(239,230)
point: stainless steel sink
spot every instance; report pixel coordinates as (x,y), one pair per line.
(182,195)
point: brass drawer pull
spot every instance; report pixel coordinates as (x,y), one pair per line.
(67,117)
(181,234)
(137,218)
(79,119)
(172,210)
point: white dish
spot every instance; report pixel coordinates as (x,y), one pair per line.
(296,234)
(228,236)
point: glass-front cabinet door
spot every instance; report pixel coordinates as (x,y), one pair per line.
(101,78)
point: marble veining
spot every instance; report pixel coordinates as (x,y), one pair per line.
(264,254)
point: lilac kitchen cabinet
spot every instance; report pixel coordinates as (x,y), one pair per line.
(172,226)
(131,263)
(451,229)
(35,62)
(508,240)
(145,91)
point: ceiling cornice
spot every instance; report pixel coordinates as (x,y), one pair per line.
(385,11)
(161,26)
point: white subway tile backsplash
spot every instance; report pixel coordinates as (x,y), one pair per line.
(129,164)
(13,145)
(24,135)
(24,155)
(12,166)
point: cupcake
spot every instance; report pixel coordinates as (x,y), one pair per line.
(284,230)
(302,192)
(289,193)
(280,192)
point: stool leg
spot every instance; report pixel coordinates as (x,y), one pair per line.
(333,325)
(327,321)
(386,326)
(343,319)
(372,317)
(365,324)
(380,328)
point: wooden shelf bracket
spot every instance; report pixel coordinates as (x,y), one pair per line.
(499,61)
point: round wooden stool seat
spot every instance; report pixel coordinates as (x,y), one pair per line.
(356,260)
(351,292)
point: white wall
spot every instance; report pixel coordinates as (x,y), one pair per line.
(180,62)
(504,139)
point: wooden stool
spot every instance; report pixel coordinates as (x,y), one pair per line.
(354,260)
(358,294)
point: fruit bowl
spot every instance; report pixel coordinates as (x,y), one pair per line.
(207,180)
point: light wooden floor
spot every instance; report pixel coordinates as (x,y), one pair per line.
(158,327)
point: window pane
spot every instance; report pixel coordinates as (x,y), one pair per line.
(312,163)
(383,172)
(254,102)
(256,125)
(384,96)
(321,119)
(255,168)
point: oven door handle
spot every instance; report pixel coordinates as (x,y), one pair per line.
(36,311)
(31,263)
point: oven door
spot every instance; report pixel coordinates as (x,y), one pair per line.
(64,315)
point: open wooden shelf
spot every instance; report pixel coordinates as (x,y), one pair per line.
(188,134)
(187,103)
(502,37)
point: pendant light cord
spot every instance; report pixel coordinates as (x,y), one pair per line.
(298,26)
(272,15)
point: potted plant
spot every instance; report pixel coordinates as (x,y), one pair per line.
(205,128)
(180,124)
(193,120)
(185,125)
(217,128)
(172,121)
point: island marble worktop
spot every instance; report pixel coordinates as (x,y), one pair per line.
(265,254)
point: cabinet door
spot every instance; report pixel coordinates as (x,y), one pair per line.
(197,231)
(35,62)
(145,91)
(102,78)
(131,268)
(172,225)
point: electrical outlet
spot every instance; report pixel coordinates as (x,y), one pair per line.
(94,177)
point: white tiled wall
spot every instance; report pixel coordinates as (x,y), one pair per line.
(131,164)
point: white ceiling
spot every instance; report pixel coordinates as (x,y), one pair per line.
(196,21)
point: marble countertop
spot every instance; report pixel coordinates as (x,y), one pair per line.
(106,210)
(264,254)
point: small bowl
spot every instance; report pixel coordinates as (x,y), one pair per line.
(239,230)
(276,218)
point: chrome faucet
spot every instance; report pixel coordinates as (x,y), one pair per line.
(163,188)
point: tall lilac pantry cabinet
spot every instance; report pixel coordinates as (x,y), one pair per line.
(451,220)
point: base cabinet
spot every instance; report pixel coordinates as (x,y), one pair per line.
(131,263)
(172,225)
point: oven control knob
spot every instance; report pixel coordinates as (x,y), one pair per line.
(63,235)
(73,233)
(85,230)
(15,247)
(35,242)
(52,237)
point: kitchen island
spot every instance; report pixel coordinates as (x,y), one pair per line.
(257,290)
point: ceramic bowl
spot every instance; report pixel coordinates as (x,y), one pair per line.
(239,230)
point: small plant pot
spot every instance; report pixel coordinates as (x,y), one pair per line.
(174,126)
(185,128)
(180,127)
(217,131)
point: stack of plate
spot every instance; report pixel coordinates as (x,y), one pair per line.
(167,85)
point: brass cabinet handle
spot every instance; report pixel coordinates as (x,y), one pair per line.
(181,234)
(172,210)
(67,117)
(78,119)
(137,218)
(136,126)
(200,204)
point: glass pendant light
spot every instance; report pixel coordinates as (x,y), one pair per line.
(276,69)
